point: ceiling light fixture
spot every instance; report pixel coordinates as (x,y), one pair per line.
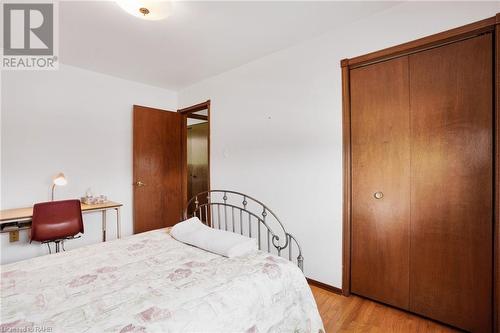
(151,10)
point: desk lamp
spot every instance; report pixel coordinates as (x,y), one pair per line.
(59,180)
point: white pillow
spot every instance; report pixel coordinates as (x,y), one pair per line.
(225,243)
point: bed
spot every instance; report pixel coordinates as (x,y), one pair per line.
(150,282)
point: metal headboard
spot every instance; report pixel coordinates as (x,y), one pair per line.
(240,213)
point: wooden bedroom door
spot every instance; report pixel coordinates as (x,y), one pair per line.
(380,149)
(158,168)
(452,182)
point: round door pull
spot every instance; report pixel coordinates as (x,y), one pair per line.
(139,183)
(378,195)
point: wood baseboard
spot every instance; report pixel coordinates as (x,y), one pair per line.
(324,286)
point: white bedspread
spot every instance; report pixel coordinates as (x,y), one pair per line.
(152,283)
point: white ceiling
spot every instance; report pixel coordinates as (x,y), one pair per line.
(199,39)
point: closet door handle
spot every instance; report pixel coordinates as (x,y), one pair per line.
(378,195)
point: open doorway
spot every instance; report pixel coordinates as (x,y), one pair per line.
(197,156)
(197,150)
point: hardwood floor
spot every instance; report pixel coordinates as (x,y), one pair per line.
(357,314)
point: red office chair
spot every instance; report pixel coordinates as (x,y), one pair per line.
(56,221)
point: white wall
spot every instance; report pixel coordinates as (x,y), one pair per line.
(276,123)
(72,121)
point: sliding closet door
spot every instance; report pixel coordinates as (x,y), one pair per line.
(451,180)
(380,181)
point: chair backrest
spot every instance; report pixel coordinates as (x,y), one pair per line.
(56,220)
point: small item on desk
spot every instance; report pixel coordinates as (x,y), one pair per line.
(88,199)
(91,200)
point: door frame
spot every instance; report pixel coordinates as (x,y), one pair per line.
(492,25)
(187,112)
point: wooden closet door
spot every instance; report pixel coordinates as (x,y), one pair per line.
(451,180)
(380,163)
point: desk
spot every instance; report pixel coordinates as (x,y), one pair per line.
(20,218)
